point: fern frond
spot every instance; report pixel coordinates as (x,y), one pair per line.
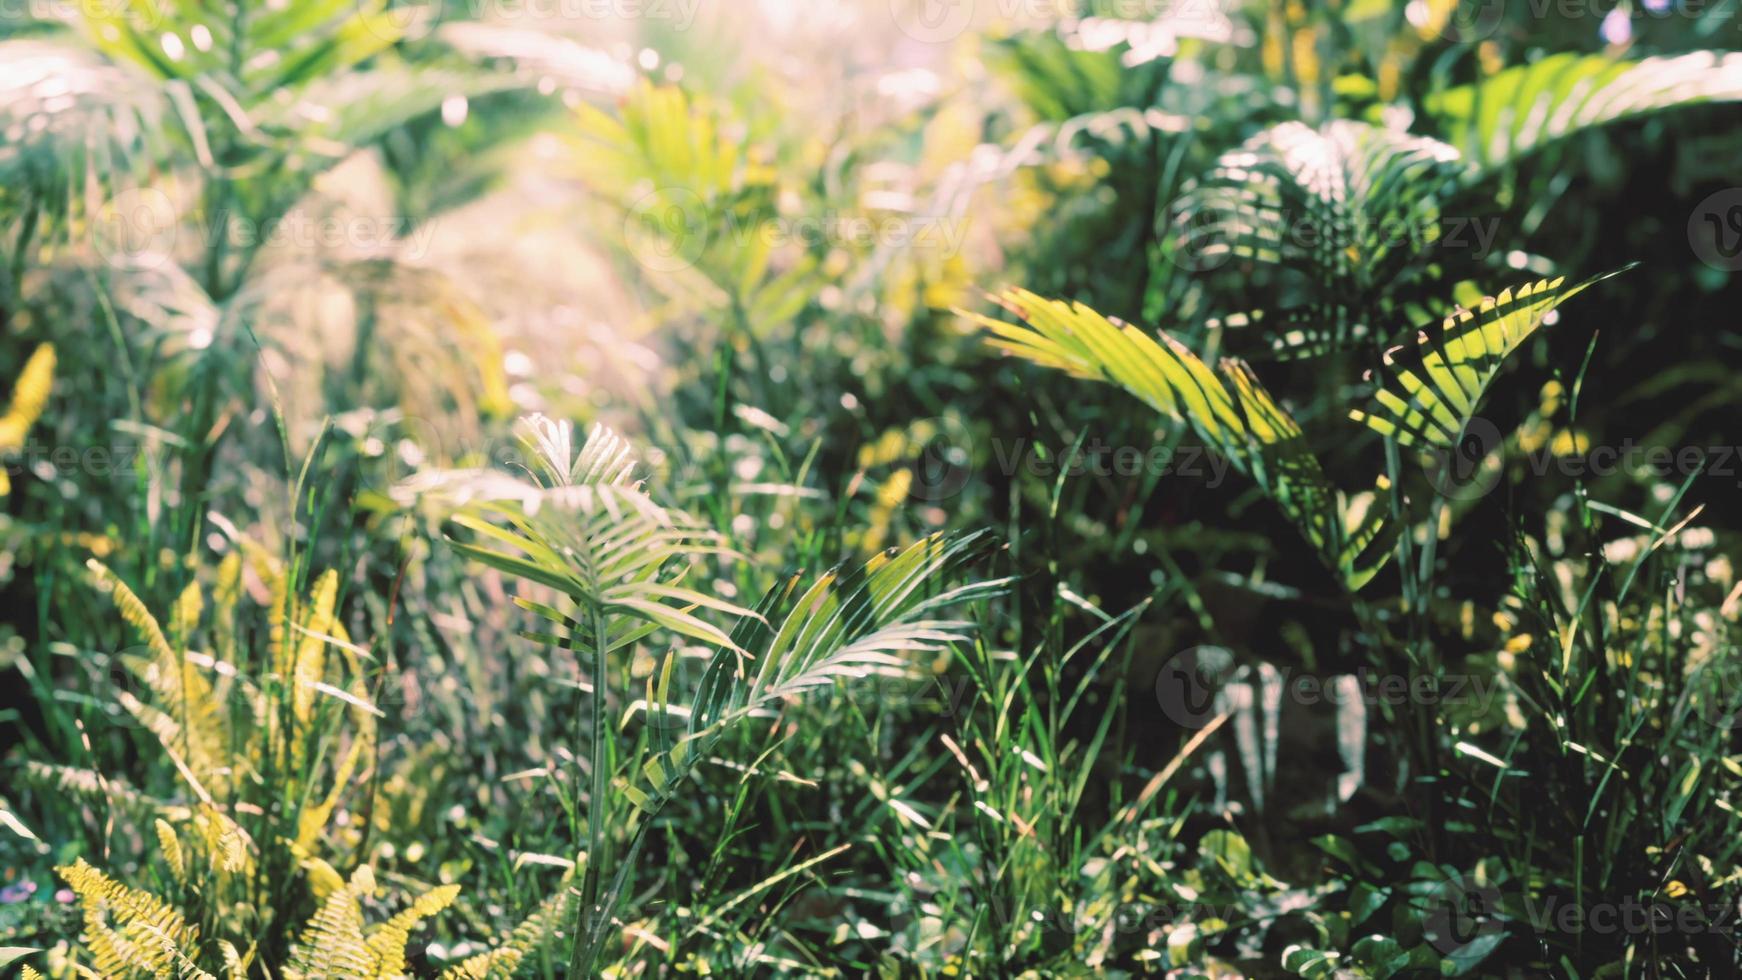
(388,940)
(597,539)
(226,844)
(184,618)
(170,846)
(131,931)
(1355,207)
(29,397)
(94,788)
(527,938)
(187,716)
(332,944)
(309,667)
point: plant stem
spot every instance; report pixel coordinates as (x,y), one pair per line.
(591,912)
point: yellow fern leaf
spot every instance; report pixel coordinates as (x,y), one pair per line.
(226,595)
(171,847)
(332,944)
(311,653)
(128,930)
(185,617)
(180,689)
(526,939)
(234,967)
(388,940)
(29,397)
(133,611)
(226,846)
(323,880)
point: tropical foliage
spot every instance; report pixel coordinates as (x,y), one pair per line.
(494,491)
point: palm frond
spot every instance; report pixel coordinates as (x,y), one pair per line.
(1230,411)
(1431,386)
(1522,109)
(70,124)
(594,537)
(850,623)
(539,53)
(1353,210)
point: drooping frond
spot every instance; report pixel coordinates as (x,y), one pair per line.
(332,944)
(131,932)
(388,940)
(1230,411)
(1432,384)
(527,938)
(185,712)
(93,788)
(1524,108)
(69,122)
(1354,209)
(849,623)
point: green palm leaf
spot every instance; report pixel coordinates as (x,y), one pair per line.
(850,623)
(1230,411)
(1433,384)
(1350,211)
(1522,109)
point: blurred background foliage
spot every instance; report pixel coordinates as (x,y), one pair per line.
(969,692)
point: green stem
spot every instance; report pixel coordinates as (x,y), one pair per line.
(591,911)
